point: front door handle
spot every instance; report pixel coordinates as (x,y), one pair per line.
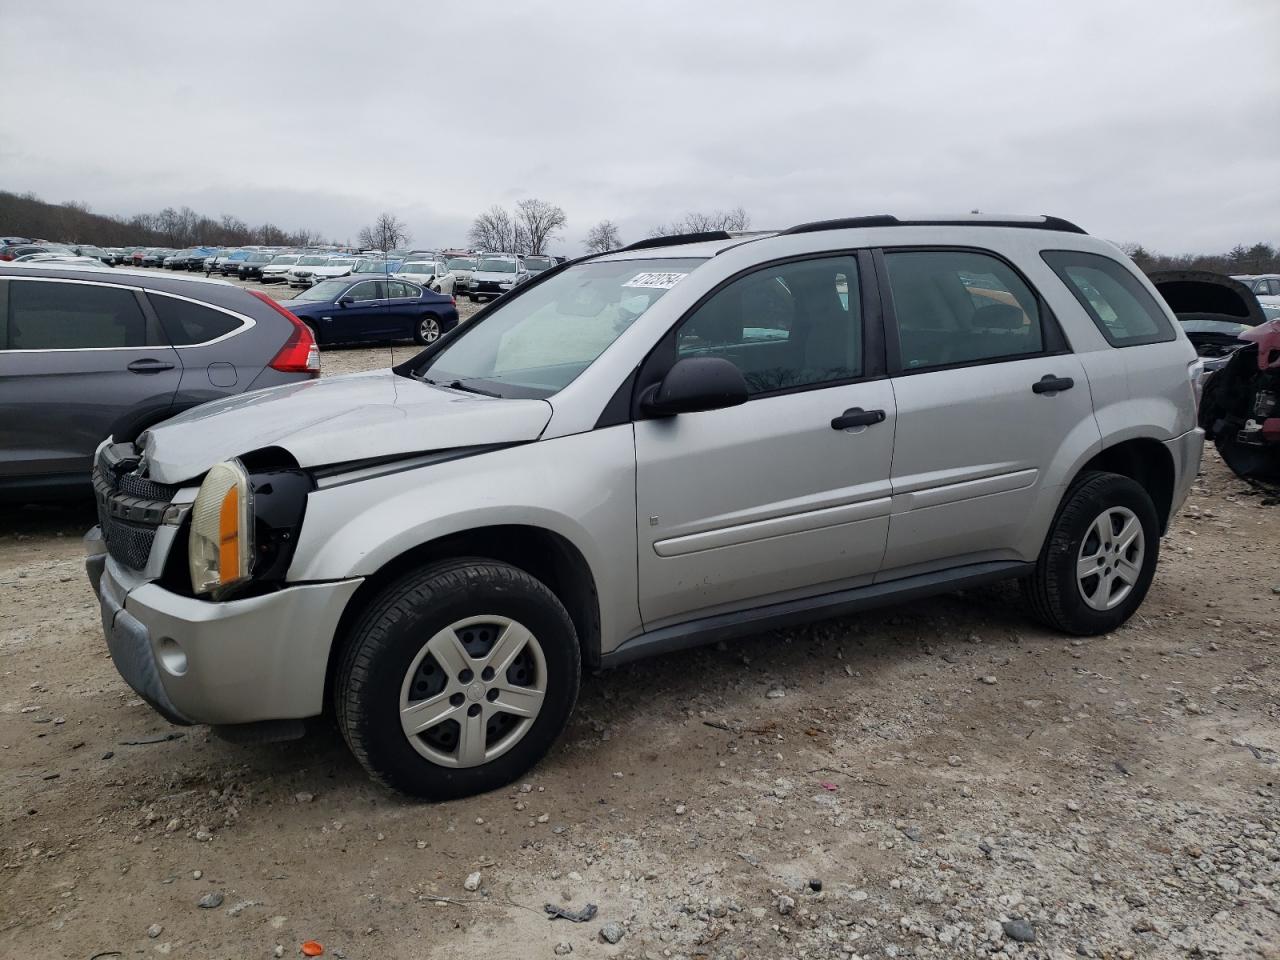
(1051,384)
(149,365)
(857,417)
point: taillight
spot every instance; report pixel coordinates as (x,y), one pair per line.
(299,353)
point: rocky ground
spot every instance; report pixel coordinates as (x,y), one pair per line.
(937,780)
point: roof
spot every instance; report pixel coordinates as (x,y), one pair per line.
(711,243)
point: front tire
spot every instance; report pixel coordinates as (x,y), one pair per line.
(1099,558)
(457,679)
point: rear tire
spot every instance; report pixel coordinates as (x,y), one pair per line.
(420,648)
(1099,558)
(428,329)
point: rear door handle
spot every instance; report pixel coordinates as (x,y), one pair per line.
(857,417)
(1051,384)
(149,365)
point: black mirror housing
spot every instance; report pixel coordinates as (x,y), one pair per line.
(694,384)
(345,301)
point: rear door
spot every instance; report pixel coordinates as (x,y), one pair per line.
(78,360)
(992,409)
(778,497)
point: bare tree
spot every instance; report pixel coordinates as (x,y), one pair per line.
(603,237)
(386,233)
(536,224)
(493,231)
(735,219)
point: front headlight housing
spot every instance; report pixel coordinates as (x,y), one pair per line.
(220,547)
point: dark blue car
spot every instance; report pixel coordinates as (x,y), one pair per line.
(362,309)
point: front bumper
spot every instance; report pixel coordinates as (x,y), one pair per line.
(234,662)
(1186,451)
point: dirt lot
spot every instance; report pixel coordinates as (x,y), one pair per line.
(953,779)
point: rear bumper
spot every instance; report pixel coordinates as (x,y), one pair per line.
(1186,451)
(234,662)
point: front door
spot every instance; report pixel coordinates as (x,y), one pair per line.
(77,359)
(992,411)
(769,500)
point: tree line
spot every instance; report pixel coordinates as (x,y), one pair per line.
(26,215)
(1254,258)
(530,227)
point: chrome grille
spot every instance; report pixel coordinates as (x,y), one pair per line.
(130,507)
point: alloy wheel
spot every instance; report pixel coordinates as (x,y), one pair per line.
(429,329)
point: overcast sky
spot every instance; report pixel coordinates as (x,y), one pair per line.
(1156,122)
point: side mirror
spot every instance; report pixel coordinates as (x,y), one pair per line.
(693,384)
(345,301)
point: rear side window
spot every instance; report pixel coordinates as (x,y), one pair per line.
(1119,305)
(960,306)
(186,323)
(72,316)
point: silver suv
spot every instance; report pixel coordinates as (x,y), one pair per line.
(686,440)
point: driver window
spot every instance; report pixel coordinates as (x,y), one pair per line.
(785,326)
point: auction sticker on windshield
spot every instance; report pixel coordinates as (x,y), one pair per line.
(655,281)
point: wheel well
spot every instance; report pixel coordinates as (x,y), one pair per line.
(1146,461)
(539,552)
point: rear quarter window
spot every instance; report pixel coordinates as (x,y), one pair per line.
(186,323)
(1115,300)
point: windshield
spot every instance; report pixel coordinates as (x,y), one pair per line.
(260,258)
(537,343)
(339,263)
(538,263)
(324,290)
(418,267)
(312,261)
(462,263)
(376,266)
(497,266)
(285,260)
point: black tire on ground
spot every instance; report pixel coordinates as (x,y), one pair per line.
(418,333)
(1053,592)
(387,637)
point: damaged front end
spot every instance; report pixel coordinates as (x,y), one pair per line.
(1240,409)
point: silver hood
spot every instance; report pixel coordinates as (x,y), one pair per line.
(335,420)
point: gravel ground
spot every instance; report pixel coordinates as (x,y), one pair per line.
(937,780)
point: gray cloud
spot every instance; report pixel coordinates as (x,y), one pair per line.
(1142,121)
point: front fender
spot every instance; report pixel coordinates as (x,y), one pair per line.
(355,529)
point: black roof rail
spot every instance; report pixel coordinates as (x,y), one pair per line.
(887,220)
(676,239)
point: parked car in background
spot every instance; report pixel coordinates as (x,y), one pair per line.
(433,274)
(437,580)
(1214,311)
(14,251)
(463,269)
(359,309)
(89,353)
(277,270)
(376,265)
(495,275)
(537,264)
(229,265)
(1261,284)
(70,258)
(251,266)
(311,270)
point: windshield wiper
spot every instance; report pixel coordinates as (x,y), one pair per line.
(459,385)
